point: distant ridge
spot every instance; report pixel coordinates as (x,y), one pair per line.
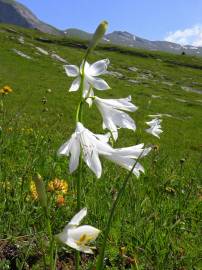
(13,12)
(74,32)
(127,39)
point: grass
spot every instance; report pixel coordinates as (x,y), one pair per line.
(157,224)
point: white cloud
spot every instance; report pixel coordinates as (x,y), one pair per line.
(189,36)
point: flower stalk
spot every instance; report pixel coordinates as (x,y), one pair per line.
(40,188)
(87,146)
(100,261)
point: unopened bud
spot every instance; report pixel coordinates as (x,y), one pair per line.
(40,188)
(1,106)
(99,33)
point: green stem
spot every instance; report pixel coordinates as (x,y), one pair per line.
(51,239)
(79,118)
(79,204)
(79,115)
(100,262)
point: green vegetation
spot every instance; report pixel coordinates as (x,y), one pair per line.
(157,224)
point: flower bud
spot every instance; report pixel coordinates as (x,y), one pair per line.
(99,33)
(1,106)
(40,188)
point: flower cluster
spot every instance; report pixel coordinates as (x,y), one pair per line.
(87,146)
(6,90)
(56,186)
(92,145)
(114,116)
(154,127)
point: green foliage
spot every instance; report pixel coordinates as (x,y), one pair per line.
(158,219)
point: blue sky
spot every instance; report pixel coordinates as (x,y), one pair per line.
(151,19)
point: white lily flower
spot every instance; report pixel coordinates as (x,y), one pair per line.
(90,76)
(93,145)
(155,127)
(77,236)
(113,115)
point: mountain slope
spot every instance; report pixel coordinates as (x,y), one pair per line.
(13,12)
(127,39)
(74,32)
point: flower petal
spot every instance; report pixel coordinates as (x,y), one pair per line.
(98,83)
(75,85)
(110,125)
(120,104)
(98,68)
(89,100)
(131,151)
(76,220)
(123,120)
(86,249)
(71,70)
(65,148)
(114,118)
(155,127)
(90,231)
(86,67)
(103,137)
(126,163)
(136,151)
(155,131)
(89,149)
(90,155)
(155,121)
(86,89)
(75,154)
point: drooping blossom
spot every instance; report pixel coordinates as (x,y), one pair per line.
(155,127)
(114,117)
(78,237)
(91,73)
(92,145)
(127,157)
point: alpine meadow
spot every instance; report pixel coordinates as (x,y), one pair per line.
(108,174)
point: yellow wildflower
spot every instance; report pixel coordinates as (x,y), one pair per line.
(58,185)
(6,90)
(60,201)
(33,191)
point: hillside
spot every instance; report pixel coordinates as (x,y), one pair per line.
(157,224)
(15,13)
(126,39)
